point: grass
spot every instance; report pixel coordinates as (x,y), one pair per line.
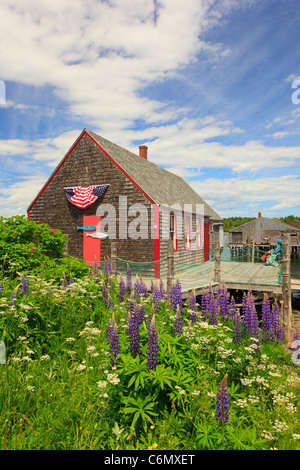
(59,391)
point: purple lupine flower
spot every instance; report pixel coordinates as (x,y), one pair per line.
(203,306)
(113,340)
(232,309)
(71,279)
(114,346)
(137,287)
(223,301)
(213,312)
(122,289)
(24,285)
(209,301)
(64,282)
(266,319)
(108,268)
(179,293)
(237,327)
(1,289)
(176,294)
(109,328)
(152,356)
(128,279)
(247,310)
(222,401)
(193,313)
(178,322)
(156,296)
(134,332)
(142,316)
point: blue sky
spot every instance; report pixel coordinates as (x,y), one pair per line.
(207,85)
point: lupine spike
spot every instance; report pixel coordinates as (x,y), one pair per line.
(134,332)
(152,356)
(222,401)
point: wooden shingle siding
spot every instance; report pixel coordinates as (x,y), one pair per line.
(88,165)
(134,184)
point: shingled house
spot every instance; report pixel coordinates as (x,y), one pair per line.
(265,233)
(101,187)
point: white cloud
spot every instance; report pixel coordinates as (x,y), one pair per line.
(15,198)
(229,195)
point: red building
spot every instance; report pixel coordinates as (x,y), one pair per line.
(137,203)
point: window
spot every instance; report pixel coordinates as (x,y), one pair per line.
(198,232)
(173,230)
(187,232)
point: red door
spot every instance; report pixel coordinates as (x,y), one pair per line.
(206,239)
(91,246)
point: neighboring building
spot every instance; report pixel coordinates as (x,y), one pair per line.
(295,223)
(130,194)
(263,231)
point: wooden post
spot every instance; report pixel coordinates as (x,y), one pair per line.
(286,287)
(253,250)
(170,276)
(217,254)
(113,257)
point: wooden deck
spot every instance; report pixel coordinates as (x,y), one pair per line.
(236,275)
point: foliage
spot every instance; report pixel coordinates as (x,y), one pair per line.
(232,222)
(28,247)
(58,389)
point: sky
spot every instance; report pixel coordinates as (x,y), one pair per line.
(212,87)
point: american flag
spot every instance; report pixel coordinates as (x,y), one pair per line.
(85,196)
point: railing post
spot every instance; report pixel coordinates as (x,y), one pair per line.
(113,257)
(170,275)
(217,276)
(286,287)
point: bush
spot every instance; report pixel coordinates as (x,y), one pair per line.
(26,246)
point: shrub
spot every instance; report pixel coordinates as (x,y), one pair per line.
(26,246)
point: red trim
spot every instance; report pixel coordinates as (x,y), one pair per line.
(206,239)
(156,242)
(119,166)
(85,132)
(55,171)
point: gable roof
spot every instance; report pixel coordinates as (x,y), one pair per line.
(161,186)
(271,224)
